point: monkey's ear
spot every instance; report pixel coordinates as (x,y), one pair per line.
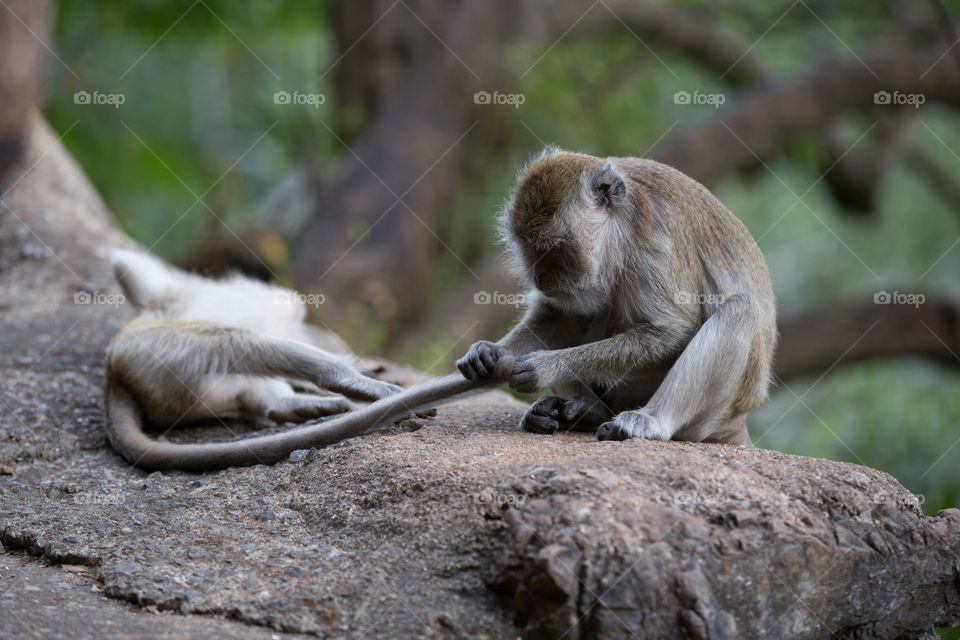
(548,150)
(607,186)
(141,276)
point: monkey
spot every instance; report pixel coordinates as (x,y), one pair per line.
(203,349)
(650,311)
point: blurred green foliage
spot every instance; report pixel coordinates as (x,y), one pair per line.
(200,120)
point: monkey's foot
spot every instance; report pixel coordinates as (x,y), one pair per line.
(364,388)
(304,406)
(550,413)
(634,424)
(422,413)
(542,416)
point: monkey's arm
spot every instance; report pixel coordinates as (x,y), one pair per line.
(125,427)
(536,331)
(596,363)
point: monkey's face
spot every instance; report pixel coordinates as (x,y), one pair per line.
(539,228)
(557,270)
(554,227)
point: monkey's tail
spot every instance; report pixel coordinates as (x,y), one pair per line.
(124,422)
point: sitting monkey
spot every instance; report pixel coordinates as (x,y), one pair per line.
(650,309)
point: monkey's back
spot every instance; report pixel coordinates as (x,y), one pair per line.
(701,229)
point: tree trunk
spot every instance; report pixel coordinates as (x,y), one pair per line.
(23,26)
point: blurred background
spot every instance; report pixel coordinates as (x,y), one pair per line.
(362,150)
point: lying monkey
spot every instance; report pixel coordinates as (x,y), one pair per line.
(205,349)
(651,313)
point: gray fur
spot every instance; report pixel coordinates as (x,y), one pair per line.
(651,313)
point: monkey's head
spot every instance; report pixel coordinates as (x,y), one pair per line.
(563,225)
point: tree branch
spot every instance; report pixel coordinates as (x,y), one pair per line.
(766,121)
(22,24)
(817,341)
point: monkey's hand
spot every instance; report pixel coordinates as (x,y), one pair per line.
(532,372)
(481,360)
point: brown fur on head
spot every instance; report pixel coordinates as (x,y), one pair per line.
(566,212)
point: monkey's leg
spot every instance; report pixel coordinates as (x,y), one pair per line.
(302,407)
(696,397)
(278,400)
(274,398)
(300,361)
(582,412)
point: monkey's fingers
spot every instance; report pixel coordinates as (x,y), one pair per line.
(576,408)
(472,367)
(611,431)
(362,388)
(489,354)
(535,423)
(466,366)
(572,410)
(481,360)
(542,416)
(547,406)
(481,368)
(305,407)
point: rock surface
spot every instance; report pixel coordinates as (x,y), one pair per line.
(465,528)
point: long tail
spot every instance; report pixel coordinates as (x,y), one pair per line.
(125,428)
